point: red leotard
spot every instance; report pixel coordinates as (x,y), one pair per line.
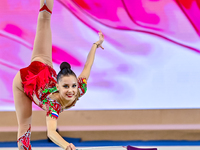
(39,80)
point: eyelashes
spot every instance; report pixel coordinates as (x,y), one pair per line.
(74,85)
(67,86)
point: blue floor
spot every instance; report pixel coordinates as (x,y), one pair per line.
(77,142)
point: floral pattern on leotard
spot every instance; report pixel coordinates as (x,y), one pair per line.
(50,90)
(53,108)
(82,85)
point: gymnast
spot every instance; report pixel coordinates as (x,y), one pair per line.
(39,83)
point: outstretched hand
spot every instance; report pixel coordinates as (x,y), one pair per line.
(101,39)
(71,147)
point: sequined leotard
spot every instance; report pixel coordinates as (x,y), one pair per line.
(39,80)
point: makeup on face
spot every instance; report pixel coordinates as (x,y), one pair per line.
(68,87)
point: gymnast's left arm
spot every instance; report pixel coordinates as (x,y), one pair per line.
(90,58)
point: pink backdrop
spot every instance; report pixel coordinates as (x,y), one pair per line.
(151,57)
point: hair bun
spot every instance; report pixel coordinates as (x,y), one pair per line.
(65,65)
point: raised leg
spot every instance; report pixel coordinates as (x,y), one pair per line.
(23,107)
(42,49)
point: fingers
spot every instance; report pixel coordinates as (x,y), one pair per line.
(101,37)
(68,148)
(100,33)
(101,47)
(71,147)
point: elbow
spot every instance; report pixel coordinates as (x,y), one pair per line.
(49,134)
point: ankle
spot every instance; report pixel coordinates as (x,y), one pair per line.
(48,4)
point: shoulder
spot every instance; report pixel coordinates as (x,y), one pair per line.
(54,108)
(82,85)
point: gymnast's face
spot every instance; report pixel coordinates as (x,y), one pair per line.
(68,87)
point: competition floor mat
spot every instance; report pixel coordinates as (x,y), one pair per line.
(115,148)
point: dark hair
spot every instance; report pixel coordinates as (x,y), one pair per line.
(65,70)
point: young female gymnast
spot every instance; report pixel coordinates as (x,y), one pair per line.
(40,84)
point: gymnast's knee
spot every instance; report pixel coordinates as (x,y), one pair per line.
(44,15)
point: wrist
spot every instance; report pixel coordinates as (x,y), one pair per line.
(98,42)
(97,45)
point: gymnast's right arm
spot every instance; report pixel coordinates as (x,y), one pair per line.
(55,137)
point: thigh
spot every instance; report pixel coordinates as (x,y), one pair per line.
(42,48)
(23,106)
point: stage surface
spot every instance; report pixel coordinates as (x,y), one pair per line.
(115,148)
